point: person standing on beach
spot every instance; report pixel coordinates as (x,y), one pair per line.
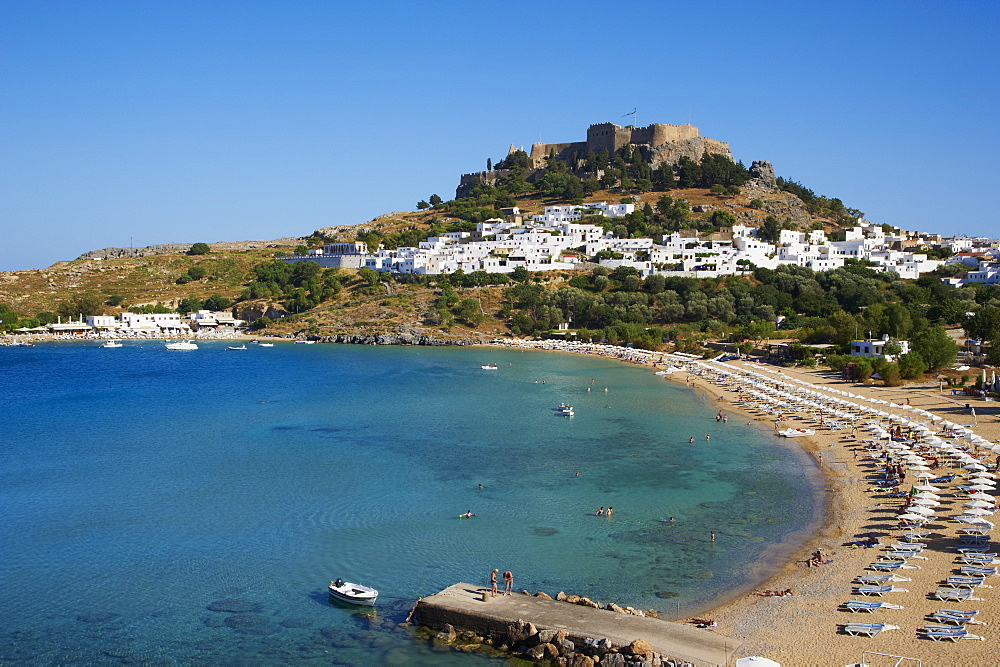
(493,583)
(508,582)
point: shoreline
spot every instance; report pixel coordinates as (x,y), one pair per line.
(805,628)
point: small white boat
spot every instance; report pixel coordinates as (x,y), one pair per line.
(265,345)
(564,410)
(305,342)
(239,347)
(353,593)
(797,432)
(489,367)
(112,343)
(182,345)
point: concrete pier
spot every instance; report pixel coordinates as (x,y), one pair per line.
(464,606)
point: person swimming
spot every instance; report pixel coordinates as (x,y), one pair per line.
(467,515)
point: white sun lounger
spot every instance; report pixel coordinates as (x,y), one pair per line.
(857,606)
(955,619)
(880,590)
(967,582)
(880,579)
(978,571)
(937,634)
(892,566)
(868,629)
(955,594)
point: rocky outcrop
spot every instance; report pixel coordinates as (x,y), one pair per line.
(168,248)
(762,174)
(401,338)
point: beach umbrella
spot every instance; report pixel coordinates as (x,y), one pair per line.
(980,503)
(926,502)
(926,487)
(923,475)
(983,475)
(982,487)
(921,468)
(979,511)
(981,496)
(909,516)
(920,509)
(975,466)
(927,494)
(756,661)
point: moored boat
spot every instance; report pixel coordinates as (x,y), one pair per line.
(489,367)
(237,347)
(182,345)
(797,432)
(112,343)
(265,345)
(353,593)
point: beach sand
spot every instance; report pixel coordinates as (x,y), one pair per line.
(806,627)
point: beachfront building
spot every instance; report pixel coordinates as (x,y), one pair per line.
(876,348)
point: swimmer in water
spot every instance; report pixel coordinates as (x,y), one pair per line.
(467,515)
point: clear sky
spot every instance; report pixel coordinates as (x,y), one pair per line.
(181,121)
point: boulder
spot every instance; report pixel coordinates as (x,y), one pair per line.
(615,608)
(544,596)
(447,634)
(764,171)
(641,648)
(549,651)
(546,636)
(560,596)
(613,660)
(579,660)
(536,652)
(520,632)
(572,599)
(566,647)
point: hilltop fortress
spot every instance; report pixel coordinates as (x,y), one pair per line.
(660,142)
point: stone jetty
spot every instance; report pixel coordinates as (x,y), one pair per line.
(525,619)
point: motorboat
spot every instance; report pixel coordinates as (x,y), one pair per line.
(353,593)
(564,410)
(236,347)
(112,343)
(305,342)
(797,432)
(489,367)
(265,345)
(182,345)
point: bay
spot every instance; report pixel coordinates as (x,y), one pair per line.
(140,486)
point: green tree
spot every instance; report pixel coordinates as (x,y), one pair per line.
(935,347)
(82,305)
(217,302)
(199,249)
(197,272)
(421,205)
(435,200)
(911,365)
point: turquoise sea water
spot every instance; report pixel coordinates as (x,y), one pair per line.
(139,486)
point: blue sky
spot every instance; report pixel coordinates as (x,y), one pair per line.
(158,122)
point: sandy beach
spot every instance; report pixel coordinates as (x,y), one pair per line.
(806,627)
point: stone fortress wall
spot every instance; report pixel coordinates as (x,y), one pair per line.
(664,143)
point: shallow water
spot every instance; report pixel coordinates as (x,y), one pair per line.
(139,486)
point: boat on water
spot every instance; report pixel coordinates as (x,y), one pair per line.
(564,410)
(489,367)
(305,342)
(796,432)
(236,347)
(353,593)
(182,345)
(112,343)
(265,345)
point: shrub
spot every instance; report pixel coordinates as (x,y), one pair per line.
(199,249)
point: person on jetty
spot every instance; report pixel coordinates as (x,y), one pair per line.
(508,582)
(493,582)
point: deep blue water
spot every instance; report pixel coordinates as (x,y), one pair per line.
(139,486)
